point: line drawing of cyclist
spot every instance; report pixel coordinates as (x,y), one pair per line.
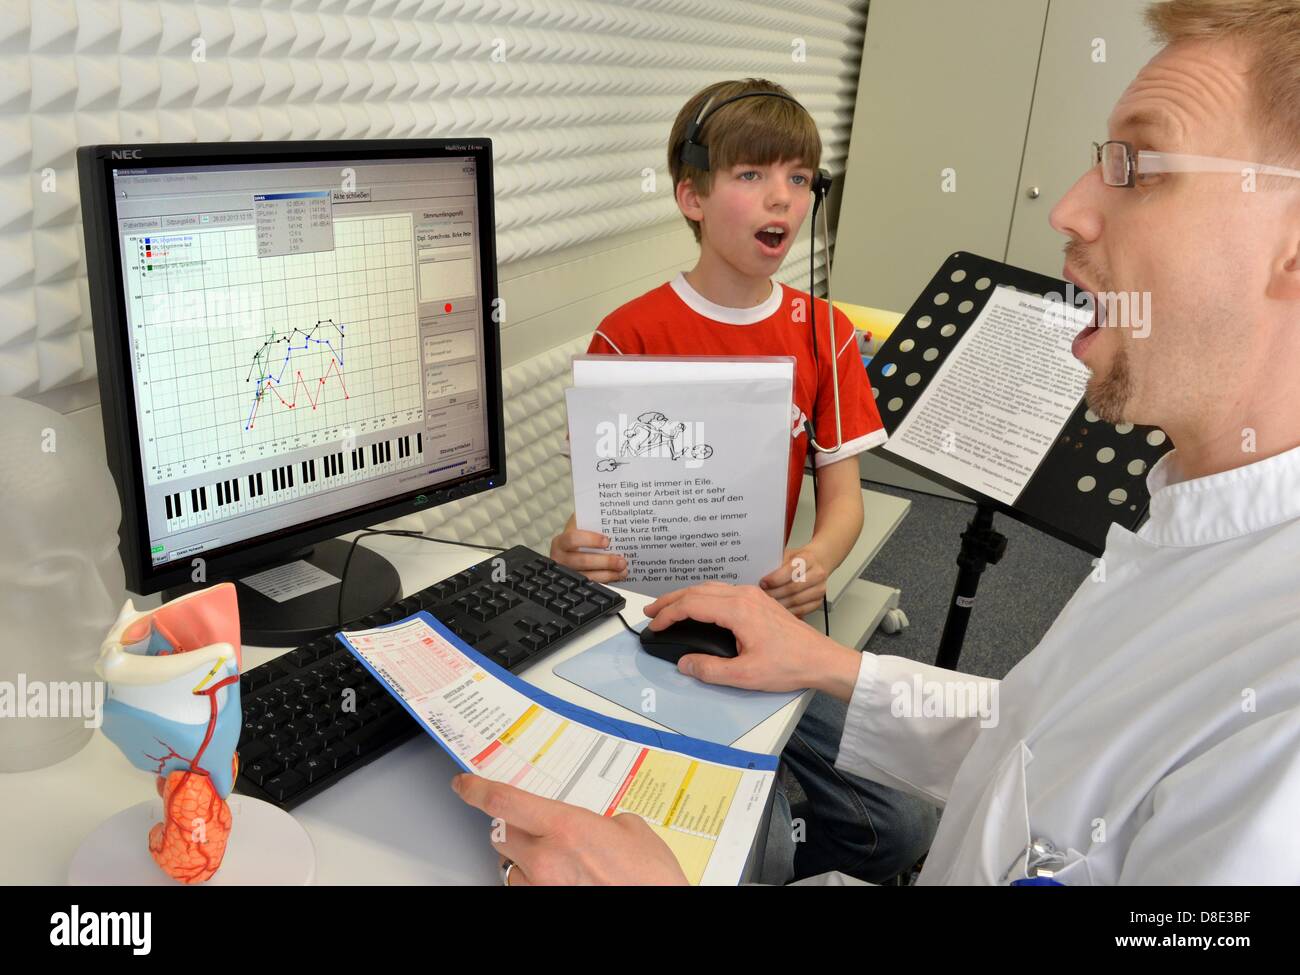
(653,432)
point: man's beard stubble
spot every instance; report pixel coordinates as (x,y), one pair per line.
(1108,396)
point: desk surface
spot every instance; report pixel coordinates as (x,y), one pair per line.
(395,821)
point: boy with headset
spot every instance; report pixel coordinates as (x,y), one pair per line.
(744,161)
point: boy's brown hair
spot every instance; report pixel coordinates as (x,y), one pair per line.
(1270,31)
(760,131)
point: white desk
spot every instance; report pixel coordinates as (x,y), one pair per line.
(395,821)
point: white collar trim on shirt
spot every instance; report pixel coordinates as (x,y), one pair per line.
(1223,506)
(721,313)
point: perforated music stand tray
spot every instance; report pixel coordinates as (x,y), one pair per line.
(1074,494)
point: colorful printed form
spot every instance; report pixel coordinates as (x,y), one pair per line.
(706,800)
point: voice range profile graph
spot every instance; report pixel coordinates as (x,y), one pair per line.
(277,374)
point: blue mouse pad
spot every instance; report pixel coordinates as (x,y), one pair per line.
(620,671)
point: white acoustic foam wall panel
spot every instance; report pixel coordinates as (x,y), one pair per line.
(578,97)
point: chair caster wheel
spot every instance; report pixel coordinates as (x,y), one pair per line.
(895,621)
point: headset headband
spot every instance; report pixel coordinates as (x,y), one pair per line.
(696,154)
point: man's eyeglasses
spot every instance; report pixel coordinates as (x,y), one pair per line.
(1121,166)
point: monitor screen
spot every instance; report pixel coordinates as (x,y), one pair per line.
(302,337)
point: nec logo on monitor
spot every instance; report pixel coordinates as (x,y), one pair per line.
(126,154)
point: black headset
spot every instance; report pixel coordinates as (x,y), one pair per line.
(696,154)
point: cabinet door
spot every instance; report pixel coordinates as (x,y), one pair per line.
(1072,102)
(945,85)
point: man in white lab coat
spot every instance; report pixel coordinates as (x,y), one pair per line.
(1153,736)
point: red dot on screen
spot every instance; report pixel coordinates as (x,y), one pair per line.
(447,306)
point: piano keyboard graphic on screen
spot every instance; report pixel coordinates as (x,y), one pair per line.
(285,482)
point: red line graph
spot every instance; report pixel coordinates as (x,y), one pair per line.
(271,386)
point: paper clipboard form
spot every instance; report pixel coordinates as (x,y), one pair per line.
(683,463)
(979,392)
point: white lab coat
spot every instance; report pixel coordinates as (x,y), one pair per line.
(1153,736)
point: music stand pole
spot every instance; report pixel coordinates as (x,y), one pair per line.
(981,546)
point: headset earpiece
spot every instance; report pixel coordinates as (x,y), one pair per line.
(694,154)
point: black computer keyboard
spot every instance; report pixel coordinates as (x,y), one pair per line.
(297,740)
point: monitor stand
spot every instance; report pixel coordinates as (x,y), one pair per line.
(373,583)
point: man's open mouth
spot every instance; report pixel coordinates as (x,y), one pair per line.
(772,236)
(1099,309)
(1099,313)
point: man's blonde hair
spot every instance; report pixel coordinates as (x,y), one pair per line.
(761,131)
(1270,33)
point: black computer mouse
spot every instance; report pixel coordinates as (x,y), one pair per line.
(688,636)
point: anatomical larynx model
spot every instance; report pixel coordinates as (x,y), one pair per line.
(173,709)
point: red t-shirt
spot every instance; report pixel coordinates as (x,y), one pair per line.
(675,319)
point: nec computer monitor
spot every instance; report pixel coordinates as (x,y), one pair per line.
(294,340)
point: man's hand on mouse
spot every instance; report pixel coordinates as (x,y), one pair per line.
(552,842)
(800,582)
(777,652)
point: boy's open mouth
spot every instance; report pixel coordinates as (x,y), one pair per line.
(771,237)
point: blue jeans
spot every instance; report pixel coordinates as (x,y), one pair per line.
(858,827)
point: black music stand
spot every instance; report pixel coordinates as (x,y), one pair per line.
(1073,495)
